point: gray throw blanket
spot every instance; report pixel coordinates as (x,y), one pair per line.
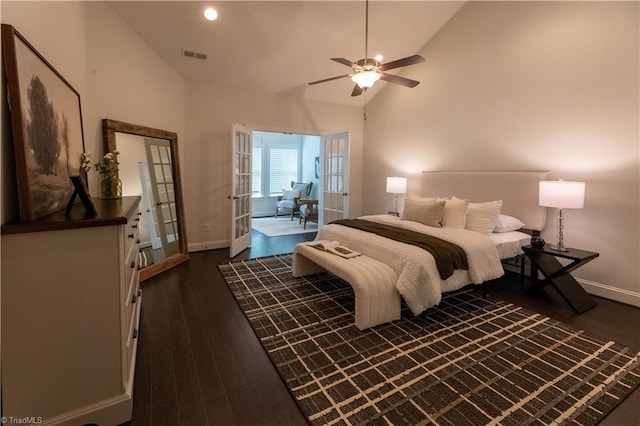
(448,256)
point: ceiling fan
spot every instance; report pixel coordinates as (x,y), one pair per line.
(369,70)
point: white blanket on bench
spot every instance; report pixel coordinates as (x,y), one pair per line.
(418,279)
(376,299)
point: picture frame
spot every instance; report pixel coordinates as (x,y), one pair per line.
(46,124)
(80,189)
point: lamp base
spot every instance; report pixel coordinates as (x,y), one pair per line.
(560,245)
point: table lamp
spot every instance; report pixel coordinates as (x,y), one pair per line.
(561,195)
(396,185)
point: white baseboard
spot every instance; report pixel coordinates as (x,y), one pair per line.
(597,289)
(208,245)
(612,293)
(113,411)
(269,213)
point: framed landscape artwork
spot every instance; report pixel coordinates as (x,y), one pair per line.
(46,122)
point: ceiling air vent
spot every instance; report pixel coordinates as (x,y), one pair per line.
(196,55)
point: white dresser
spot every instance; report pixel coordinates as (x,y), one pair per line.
(70,315)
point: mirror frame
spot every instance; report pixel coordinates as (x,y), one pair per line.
(109,129)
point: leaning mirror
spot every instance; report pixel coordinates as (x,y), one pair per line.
(149,167)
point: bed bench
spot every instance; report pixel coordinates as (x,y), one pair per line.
(373,282)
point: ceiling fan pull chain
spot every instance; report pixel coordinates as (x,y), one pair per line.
(364,108)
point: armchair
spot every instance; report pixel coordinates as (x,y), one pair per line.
(290,199)
(308,211)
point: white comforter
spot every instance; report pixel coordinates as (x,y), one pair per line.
(418,279)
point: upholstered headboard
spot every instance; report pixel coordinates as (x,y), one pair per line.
(518,190)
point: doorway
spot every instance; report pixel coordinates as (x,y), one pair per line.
(278,159)
(265,163)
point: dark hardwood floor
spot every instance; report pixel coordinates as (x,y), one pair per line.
(199,362)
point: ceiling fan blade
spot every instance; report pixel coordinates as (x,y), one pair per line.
(409,60)
(343,61)
(328,79)
(399,80)
(357,91)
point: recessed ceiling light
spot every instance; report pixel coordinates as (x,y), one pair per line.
(210,13)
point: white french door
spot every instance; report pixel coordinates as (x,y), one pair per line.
(334,164)
(240,190)
(149,206)
(164,207)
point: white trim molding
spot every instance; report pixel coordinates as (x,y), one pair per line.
(208,245)
(612,293)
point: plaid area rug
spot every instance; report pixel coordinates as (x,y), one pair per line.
(468,361)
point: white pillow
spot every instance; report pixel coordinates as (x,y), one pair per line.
(455,213)
(426,212)
(507,223)
(290,194)
(422,199)
(482,217)
(302,187)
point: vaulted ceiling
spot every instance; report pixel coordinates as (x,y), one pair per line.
(279,46)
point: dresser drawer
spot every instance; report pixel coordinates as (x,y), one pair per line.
(132,272)
(131,235)
(130,295)
(131,261)
(131,300)
(132,338)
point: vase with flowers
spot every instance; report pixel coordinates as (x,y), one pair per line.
(111,185)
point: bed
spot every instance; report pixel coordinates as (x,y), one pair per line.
(418,279)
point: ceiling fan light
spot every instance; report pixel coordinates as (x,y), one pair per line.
(365,79)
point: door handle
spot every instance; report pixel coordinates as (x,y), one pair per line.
(229,197)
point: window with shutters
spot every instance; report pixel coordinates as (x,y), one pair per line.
(274,166)
(283,166)
(256,172)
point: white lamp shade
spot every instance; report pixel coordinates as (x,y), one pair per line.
(397,185)
(561,194)
(365,79)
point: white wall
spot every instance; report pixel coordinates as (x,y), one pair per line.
(210,112)
(57,30)
(531,86)
(127,81)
